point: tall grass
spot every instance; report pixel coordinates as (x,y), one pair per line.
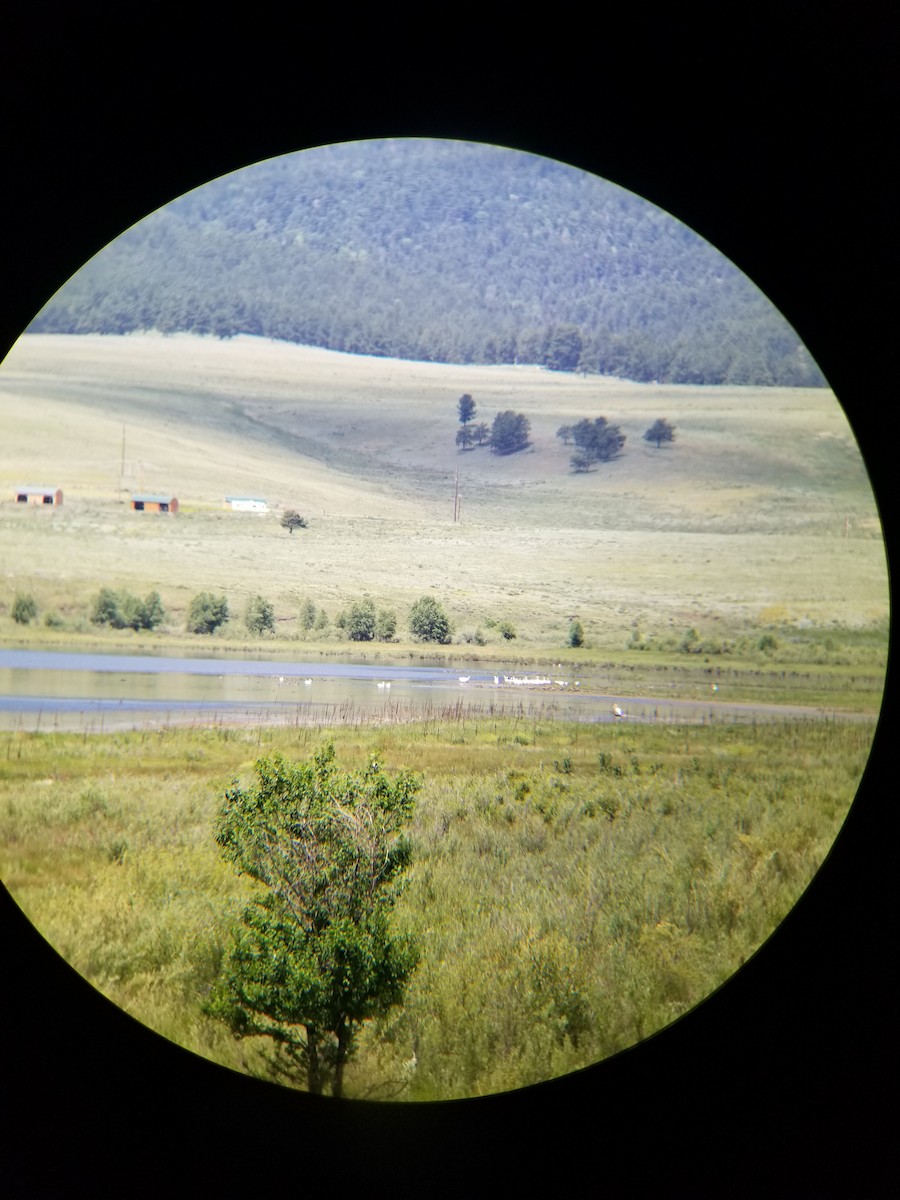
(574,888)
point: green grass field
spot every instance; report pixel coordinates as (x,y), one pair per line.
(574,888)
(759,517)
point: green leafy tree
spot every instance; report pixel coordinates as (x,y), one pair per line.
(385,625)
(259,616)
(597,440)
(565,432)
(307,614)
(105,608)
(140,614)
(358,621)
(465,438)
(122,610)
(315,957)
(206,613)
(129,614)
(481,432)
(24,609)
(153,613)
(576,634)
(660,431)
(509,433)
(429,622)
(581,461)
(466,407)
(292,520)
(321,620)
(507,630)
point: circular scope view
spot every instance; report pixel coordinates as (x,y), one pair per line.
(445,620)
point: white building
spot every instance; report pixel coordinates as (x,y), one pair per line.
(246,504)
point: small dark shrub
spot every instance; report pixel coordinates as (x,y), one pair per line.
(689,643)
(24,608)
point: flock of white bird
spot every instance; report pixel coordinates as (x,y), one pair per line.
(517,681)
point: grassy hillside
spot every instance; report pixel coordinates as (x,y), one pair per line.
(759,514)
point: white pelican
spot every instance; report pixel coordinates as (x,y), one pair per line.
(617,712)
(464,678)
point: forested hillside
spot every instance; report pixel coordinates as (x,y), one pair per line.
(442,251)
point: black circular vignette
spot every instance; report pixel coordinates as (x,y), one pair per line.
(774,142)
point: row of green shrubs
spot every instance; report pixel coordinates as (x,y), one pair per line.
(765,643)
(841,646)
(359,621)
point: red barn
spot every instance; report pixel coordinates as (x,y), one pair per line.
(39,495)
(157,504)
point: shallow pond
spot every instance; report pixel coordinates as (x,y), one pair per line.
(91,692)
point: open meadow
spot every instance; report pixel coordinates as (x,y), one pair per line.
(573,889)
(574,886)
(759,517)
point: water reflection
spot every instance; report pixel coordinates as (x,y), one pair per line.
(41,690)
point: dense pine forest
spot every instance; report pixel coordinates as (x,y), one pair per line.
(440,251)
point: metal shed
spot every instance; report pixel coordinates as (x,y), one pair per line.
(247,504)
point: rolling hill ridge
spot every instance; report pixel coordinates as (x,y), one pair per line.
(439,251)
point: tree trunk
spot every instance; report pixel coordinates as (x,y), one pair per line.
(337,1088)
(313,1070)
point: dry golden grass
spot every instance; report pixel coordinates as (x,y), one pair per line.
(747,513)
